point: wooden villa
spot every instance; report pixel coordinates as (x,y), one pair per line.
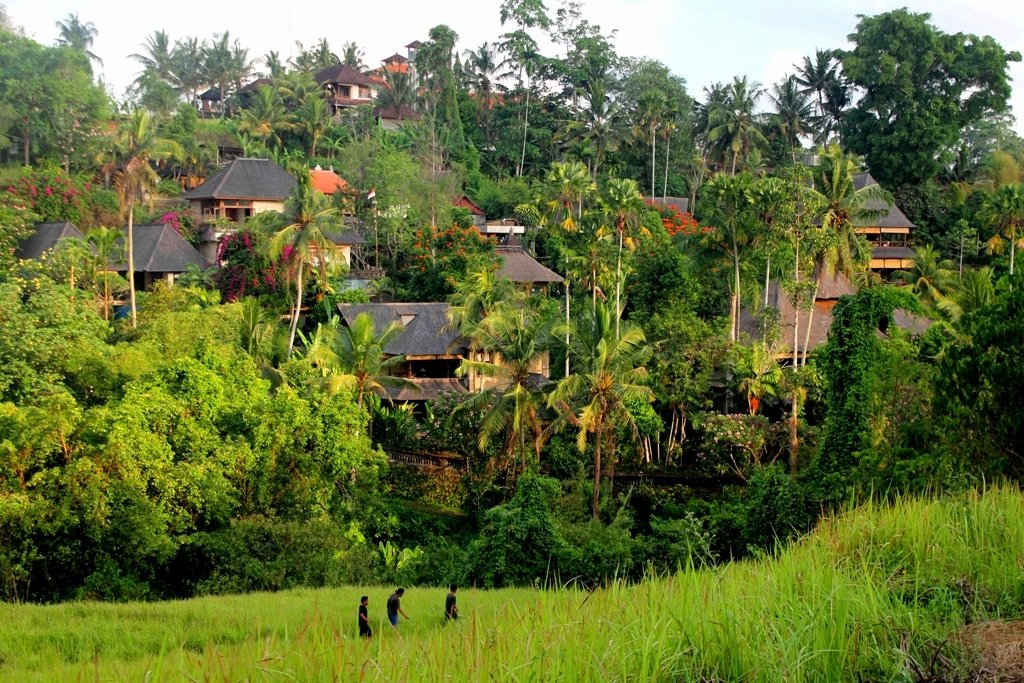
(888,233)
(345,87)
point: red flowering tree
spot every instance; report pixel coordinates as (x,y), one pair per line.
(245,270)
(438,260)
(678,222)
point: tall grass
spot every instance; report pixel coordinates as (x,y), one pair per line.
(876,594)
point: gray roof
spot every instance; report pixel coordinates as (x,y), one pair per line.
(246,179)
(889,216)
(518,266)
(426,330)
(346,237)
(342,74)
(45,238)
(254,86)
(160,249)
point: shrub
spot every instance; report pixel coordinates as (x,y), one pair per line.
(776,508)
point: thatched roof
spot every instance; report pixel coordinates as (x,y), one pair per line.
(426,330)
(160,249)
(890,214)
(45,238)
(518,266)
(246,179)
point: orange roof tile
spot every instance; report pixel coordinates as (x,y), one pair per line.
(327,182)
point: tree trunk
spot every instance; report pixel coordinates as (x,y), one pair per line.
(599,437)
(810,319)
(735,312)
(131,263)
(735,156)
(664,187)
(295,314)
(26,135)
(796,312)
(654,160)
(566,328)
(526,126)
(794,440)
(767,278)
(618,287)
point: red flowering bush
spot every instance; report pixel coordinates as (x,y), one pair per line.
(56,196)
(183,222)
(676,221)
(245,270)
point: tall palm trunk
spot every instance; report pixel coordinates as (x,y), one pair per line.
(131,264)
(734,311)
(567,328)
(599,434)
(810,320)
(618,288)
(654,160)
(664,188)
(295,313)
(526,125)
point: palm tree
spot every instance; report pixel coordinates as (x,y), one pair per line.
(586,262)
(138,146)
(516,338)
(730,208)
(78,36)
(653,106)
(302,239)
(187,67)
(623,204)
(733,123)
(1004,211)
(399,92)
(107,249)
(794,114)
(265,117)
(476,296)
(275,67)
(354,357)
(974,290)
(929,277)
(313,119)
(483,73)
(352,55)
(572,184)
(759,373)
(609,374)
(817,74)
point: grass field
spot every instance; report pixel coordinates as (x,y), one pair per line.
(879,594)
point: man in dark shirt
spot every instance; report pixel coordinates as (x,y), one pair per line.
(364,618)
(395,607)
(451,610)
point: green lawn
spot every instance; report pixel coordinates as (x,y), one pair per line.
(872,595)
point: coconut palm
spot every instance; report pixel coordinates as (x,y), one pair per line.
(572,184)
(187,67)
(929,277)
(794,114)
(586,259)
(78,35)
(483,71)
(353,357)
(817,74)
(1004,211)
(265,117)
(733,125)
(399,92)
(974,290)
(653,106)
(516,338)
(157,56)
(609,374)
(299,234)
(352,55)
(476,296)
(275,67)
(137,146)
(313,119)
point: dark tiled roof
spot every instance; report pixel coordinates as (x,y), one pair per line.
(346,237)
(395,58)
(518,266)
(160,249)
(246,179)
(427,389)
(414,44)
(390,113)
(890,215)
(426,327)
(343,74)
(254,86)
(45,238)
(211,95)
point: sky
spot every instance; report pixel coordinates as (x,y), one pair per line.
(704,42)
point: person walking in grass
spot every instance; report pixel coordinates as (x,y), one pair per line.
(364,618)
(451,609)
(395,607)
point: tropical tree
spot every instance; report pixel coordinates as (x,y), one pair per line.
(521,50)
(1004,211)
(483,71)
(399,92)
(733,124)
(313,119)
(653,109)
(299,235)
(78,35)
(609,374)
(352,55)
(571,184)
(137,147)
(794,114)
(265,117)
(759,374)
(275,67)
(930,276)
(516,338)
(354,357)
(817,74)
(476,296)
(623,204)
(974,290)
